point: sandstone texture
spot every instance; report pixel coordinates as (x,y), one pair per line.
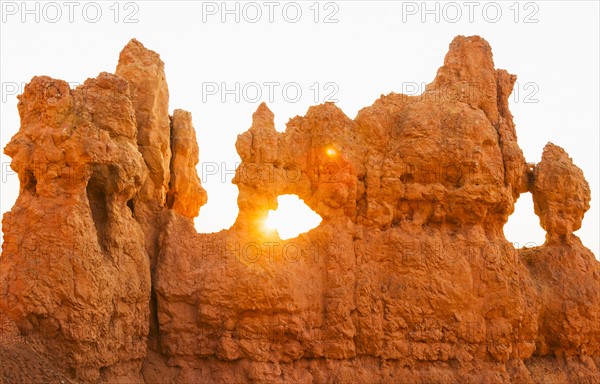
(408,279)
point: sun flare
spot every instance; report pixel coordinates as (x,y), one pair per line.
(330,151)
(271,221)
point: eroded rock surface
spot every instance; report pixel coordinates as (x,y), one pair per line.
(408,278)
(565,271)
(74,269)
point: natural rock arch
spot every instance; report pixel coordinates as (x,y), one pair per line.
(409,276)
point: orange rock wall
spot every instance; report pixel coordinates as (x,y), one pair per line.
(409,277)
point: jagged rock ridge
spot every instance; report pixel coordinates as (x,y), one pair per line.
(408,278)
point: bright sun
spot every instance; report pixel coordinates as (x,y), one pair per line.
(292,217)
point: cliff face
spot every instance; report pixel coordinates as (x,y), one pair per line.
(408,278)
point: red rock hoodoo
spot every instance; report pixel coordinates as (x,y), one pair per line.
(408,279)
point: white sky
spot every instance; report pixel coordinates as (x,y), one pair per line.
(374,48)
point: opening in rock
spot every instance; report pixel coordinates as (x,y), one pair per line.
(97,201)
(30,182)
(292,217)
(130,206)
(523,227)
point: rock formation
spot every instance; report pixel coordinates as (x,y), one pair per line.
(408,279)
